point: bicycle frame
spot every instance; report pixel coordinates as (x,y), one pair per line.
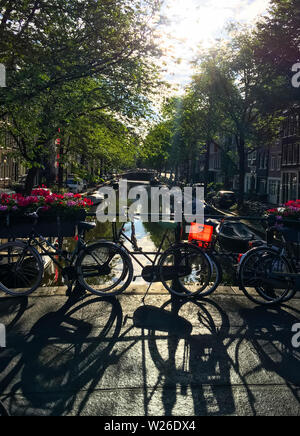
(40,240)
(117,235)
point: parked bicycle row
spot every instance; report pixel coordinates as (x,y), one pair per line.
(189,267)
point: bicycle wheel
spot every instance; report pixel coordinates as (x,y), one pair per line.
(21,269)
(186,271)
(104,269)
(256,282)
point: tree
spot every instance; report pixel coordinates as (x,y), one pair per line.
(100,140)
(66,60)
(242,94)
(206,117)
(278,38)
(277,51)
(156,147)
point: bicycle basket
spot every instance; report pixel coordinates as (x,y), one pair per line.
(201,233)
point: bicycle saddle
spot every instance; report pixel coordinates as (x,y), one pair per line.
(85,226)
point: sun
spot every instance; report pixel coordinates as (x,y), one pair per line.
(194,22)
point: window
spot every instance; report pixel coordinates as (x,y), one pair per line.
(278,163)
(263,161)
(252,155)
(290,154)
(289,186)
(272,187)
(258,161)
(284,155)
(296,154)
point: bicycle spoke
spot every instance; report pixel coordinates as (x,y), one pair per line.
(104,269)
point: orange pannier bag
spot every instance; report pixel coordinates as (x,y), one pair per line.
(201,232)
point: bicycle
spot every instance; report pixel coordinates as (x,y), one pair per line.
(104,268)
(271,269)
(22,266)
(184,269)
(263,272)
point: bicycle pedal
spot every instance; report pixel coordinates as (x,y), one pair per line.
(136,277)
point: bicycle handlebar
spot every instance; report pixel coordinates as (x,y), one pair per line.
(34,214)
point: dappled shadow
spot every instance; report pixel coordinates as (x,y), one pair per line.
(188,354)
(211,358)
(185,360)
(269,331)
(12,310)
(63,354)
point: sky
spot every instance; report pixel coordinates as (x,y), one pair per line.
(190,22)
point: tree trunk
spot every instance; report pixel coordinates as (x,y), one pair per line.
(241,151)
(206,168)
(176,173)
(29,184)
(60,175)
(193,170)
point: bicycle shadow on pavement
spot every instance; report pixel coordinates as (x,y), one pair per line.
(186,361)
(12,310)
(269,331)
(64,354)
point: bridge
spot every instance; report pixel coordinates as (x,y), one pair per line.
(139,175)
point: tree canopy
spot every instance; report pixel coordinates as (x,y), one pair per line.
(69,60)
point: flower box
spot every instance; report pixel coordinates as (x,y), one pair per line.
(22,227)
(58,214)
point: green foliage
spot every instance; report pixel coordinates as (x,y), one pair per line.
(66,62)
(278,38)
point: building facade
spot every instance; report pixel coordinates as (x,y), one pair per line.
(290,149)
(11,169)
(274,174)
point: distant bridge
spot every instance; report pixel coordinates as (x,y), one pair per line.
(139,175)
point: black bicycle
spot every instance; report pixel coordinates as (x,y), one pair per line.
(267,271)
(268,274)
(184,269)
(22,263)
